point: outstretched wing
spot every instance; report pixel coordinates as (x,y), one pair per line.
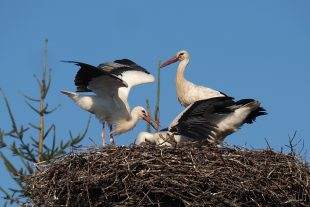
(119,66)
(101,82)
(129,71)
(199,120)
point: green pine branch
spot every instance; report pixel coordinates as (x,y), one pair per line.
(32,149)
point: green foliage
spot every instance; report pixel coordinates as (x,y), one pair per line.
(19,142)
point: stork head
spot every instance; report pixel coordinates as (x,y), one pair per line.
(143,114)
(180,56)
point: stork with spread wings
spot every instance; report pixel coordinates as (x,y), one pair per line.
(111,83)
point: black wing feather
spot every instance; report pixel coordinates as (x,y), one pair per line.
(194,122)
(199,120)
(87,72)
(212,105)
(121,66)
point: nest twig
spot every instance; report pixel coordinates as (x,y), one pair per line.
(184,176)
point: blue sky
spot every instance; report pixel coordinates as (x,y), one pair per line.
(248,49)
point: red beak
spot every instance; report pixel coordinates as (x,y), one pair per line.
(148,119)
(170,61)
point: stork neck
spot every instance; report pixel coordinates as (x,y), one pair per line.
(126,125)
(134,119)
(181,69)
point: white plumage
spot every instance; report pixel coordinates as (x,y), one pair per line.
(219,115)
(111,83)
(188,92)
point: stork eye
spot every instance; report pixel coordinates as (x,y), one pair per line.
(143,112)
(182,53)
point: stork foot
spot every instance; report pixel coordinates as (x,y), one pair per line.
(103,135)
(112,141)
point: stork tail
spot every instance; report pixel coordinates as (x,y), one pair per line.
(257,109)
(260,111)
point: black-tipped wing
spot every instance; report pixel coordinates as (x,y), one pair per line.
(132,73)
(91,78)
(118,67)
(215,118)
(198,120)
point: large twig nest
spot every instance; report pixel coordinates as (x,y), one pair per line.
(184,176)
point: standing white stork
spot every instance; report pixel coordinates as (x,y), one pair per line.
(188,92)
(111,83)
(206,120)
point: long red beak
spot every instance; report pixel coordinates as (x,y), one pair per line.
(170,61)
(148,119)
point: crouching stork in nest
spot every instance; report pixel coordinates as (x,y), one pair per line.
(210,120)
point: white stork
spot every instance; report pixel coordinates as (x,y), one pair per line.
(111,82)
(188,92)
(206,120)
